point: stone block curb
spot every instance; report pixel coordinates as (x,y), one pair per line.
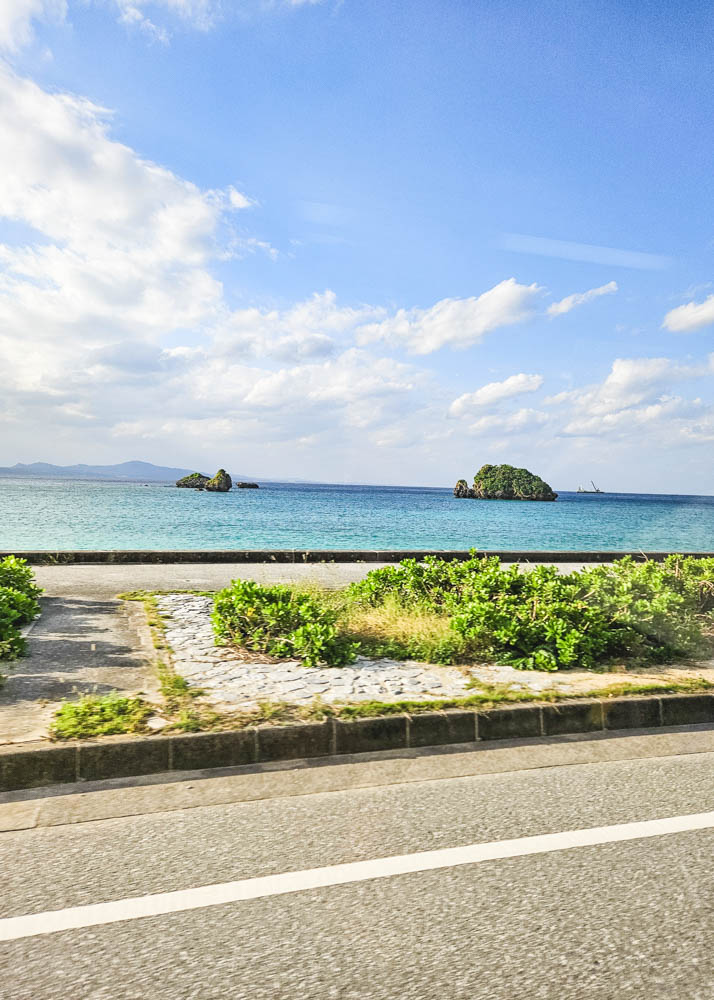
(40,764)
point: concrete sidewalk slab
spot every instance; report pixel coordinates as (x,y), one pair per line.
(102,581)
(78,645)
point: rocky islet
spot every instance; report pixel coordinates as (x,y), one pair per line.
(220,483)
(504,482)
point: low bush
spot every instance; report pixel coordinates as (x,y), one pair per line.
(17,575)
(99,715)
(281,622)
(18,605)
(451,612)
(544,620)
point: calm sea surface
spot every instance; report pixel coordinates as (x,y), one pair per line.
(48,514)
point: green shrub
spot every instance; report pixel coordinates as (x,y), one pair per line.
(18,605)
(542,620)
(17,575)
(281,622)
(99,715)
(431,582)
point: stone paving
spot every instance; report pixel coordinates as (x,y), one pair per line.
(230,679)
(233,678)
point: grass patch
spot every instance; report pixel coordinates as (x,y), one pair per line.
(100,715)
(404,633)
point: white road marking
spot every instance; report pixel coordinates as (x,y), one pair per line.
(12,928)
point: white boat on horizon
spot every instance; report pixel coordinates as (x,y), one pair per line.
(581,489)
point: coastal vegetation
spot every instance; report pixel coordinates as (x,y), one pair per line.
(281,621)
(504,482)
(18,605)
(460,612)
(103,715)
(639,613)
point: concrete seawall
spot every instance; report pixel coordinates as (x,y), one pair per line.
(301,556)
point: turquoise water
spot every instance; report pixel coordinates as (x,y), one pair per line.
(48,514)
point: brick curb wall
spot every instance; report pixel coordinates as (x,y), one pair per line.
(92,760)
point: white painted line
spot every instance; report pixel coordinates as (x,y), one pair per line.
(12,928)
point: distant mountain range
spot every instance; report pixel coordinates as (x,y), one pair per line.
(128,472)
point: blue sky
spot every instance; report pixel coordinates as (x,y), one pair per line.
(359,241)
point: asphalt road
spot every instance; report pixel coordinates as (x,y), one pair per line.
(620,920)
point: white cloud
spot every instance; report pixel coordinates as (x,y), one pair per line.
(198,14)
(457,323)
(312,328)
(495,392)
(17,16)
(122,247)
(579,298)
(110,306)
(635,394)
(513,423)
(691,316)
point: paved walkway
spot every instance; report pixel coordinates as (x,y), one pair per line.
(106,581)
(232,679)
(236,681)
(77,645)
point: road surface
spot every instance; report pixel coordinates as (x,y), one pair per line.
(621,909)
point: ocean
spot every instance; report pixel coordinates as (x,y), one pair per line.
(60,514)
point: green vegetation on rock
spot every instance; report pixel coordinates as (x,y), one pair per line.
(504,482)
(196,481)
(221,482)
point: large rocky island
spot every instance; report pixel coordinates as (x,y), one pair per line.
(504,482)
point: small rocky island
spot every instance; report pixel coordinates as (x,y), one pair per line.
(504,482)
(247,486)
(220,483)
(196,481)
